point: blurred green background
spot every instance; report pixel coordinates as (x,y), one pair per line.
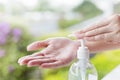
(25,21)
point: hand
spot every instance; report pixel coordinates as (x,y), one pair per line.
(107,30)
(58,52)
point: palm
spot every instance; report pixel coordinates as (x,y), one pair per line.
(65,50)
(59,52)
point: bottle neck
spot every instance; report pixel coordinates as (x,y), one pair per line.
(84,60)
(83,53)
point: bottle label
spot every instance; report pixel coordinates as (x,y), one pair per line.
(92,77)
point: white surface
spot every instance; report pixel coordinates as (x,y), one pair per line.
(92,77)
(113,75)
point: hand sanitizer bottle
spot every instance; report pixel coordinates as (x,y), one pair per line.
(82,69)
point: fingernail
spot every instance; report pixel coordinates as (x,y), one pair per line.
(29,48)
(19,61)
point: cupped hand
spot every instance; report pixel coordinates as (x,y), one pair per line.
(57,52)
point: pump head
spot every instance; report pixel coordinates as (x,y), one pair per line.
(83,52)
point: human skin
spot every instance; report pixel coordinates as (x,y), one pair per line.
(107,30)
(59,52)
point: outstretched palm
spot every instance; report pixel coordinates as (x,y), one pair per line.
(58,52)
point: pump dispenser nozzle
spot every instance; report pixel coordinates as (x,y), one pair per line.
(83,53)
(82,69)
(82,43)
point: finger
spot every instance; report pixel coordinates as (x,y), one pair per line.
(116,19)
(19,60)
(104,37)
(79,36)
(37,45)
(25,60)
(102,23)
(97,31)
(94,38)
(94,32)
(43,54)
(38,62)
(50,49)
(38,54)
(79,31)
(56,64)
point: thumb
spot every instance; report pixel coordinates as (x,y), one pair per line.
(37,45)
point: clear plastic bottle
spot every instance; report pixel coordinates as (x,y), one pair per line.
(82,69)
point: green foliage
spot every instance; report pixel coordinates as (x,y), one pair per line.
(87,9)
(106,61)
(63,23)
(11,50)
(57,74)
